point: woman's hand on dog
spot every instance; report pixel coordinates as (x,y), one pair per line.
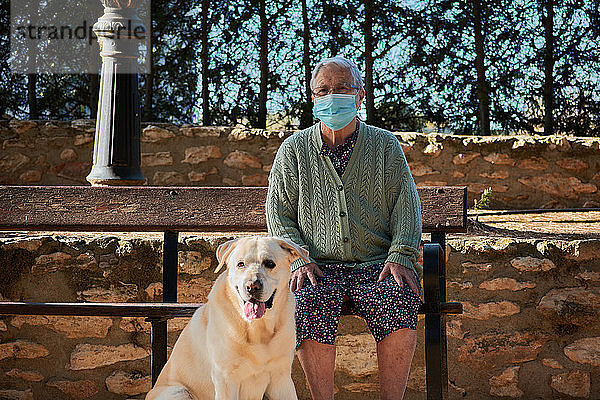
(306,271)
(401,274)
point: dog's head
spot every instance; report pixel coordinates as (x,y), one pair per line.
(257,269)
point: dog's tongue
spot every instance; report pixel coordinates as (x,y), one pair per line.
(254,310)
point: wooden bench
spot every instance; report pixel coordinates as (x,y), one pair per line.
(201,209)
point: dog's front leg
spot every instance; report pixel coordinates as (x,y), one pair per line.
(282,388)
(224,388)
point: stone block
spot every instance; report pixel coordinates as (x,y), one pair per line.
(575,305)
(155,134)
(155,290)
(22,126)
(499,159)
(242,160)
(454,329)
(73,170)
(86,125)
(10,394)
(422,169)
(532,264)
(469,267)
(462,159)
(533,163)
(51,262)
(194,176)
(30,376)
(229,182)
(585,351)
(502,174)
(13,143)
(574,383)
(589,276)
(416,379)
(433,149)
(586,250)
(171,178)
(162,158)
(433,183)
(490,350)
(193,262)
(71,327)
(91,356)
(356,355)
(177,324)
(506,284)
(205,131)
(22,349)
(47,263)
(31,176)
(194,290)
(572,164)
(75,390)
(361,387)
(12,162)
(128,383)
(135,324)
(196,155)
(84,139)
(557,185)
(255,180)
(486,311)
(506,384)
(68,155)
(114,294)
(551,363)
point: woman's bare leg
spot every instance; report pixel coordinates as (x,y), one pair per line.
(318,362)
(394,356)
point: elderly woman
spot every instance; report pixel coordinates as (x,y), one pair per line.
(343,189)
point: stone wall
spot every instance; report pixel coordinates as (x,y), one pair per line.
(531,327)
(523,171)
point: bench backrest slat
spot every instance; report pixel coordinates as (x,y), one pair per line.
(180,209)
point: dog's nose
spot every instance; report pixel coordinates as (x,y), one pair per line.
(253,287)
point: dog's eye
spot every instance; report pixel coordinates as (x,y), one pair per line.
(241,264)
(270,264)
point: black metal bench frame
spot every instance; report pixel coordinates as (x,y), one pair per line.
(175,209)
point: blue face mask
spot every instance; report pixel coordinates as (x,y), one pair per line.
(335,110)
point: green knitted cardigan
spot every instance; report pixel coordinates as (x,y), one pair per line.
(371,215)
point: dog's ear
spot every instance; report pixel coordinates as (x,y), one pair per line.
(295,250)
(223,252)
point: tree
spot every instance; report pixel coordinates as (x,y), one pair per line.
(482,86)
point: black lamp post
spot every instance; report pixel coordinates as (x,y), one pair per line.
(117,141)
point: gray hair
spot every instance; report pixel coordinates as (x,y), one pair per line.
(342,63)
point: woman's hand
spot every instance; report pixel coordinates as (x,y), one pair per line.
(401,274)
(306,271)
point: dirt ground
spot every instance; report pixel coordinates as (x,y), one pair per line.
(567,225)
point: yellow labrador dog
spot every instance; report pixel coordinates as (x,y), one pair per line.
(240,344)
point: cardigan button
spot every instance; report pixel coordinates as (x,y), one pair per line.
(340,188)
(346,239)
(342,214)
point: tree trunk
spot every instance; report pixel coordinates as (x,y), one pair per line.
(482,87)
(306,118)
(204,57)
(549,69)
(370,100)
(149,89)
(32,96)
(93,90)
(264,67)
